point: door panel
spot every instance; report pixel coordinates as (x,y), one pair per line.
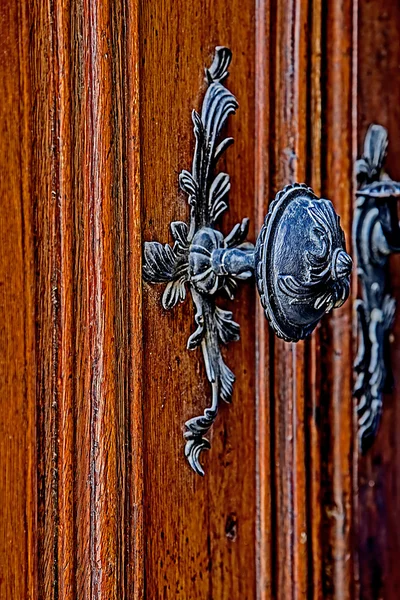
(199,532)
(311,123)
(96,123)
(18,514)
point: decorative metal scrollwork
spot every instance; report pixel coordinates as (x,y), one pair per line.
(376,235)
(301,267)
(198,260)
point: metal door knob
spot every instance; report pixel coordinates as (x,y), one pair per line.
(300,264)
(302,267)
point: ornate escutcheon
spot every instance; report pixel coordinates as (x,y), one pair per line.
(376,235)
(300,264)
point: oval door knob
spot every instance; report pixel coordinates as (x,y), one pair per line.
(300,264)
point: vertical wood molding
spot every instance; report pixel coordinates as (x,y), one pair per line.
(264,533)
(18,550)
(134,536)
(313,346)
(307,526)
(291,115)
(378,531)
(337,422)
(289,126)
(86,193)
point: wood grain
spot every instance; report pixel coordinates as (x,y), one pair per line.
(310,54)
(263,342)
(88,324)
(199,532)
(289,121)
(18,572)
(99,499)
(337,418)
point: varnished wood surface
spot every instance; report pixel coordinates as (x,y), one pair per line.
(311,127)
(265,571)
(101,502)
(88,295)
(337,407)
(18,558)
(199,532)
(81,166)
(288,122)
(379,471)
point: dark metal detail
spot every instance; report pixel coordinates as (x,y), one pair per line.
(302,269)
(202,258)
(376,235)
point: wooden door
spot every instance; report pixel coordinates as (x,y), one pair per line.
(97,499)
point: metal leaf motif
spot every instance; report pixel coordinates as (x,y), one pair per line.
(218,190)
(228,330)
(220,65)
(159,264)
(190,263)
(238,234)
(180,232)
(368,168)
(376,234)
(174,292)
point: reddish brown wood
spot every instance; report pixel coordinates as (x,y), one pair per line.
(337,419)
(379,470)
(289,125)
(18,554)
(314,442)
(86,192)
(96,128)
(134,527)
(311,52)
(199,532)
(264,451)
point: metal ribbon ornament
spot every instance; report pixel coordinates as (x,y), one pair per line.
(301,267)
